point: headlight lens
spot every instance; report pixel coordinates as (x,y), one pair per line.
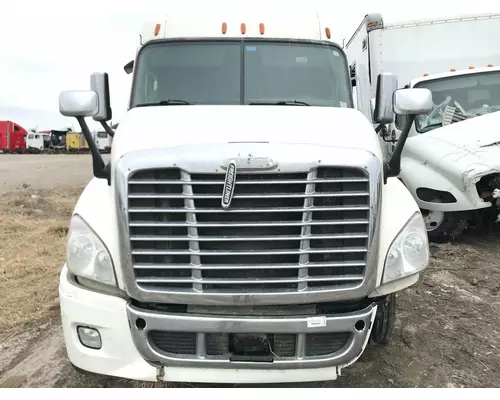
(409,253)
(87,256)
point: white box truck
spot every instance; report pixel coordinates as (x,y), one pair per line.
(451,166)
(254,233)
(103,140)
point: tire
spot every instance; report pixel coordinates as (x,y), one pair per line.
(448,229)
(383,325)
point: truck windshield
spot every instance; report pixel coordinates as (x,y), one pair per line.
(461,97)
(241,72)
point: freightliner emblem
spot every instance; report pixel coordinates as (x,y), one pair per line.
(228,191)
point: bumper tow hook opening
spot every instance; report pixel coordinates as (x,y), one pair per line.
(360,326)
(140,324)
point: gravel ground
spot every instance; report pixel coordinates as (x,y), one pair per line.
(447,330)
(43,171)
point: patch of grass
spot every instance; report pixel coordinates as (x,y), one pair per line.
(60,231)
(33,228)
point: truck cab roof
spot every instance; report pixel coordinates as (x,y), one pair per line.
(452,73)
(310,27)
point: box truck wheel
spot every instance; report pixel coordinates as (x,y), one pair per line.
(443,226)
(384,320)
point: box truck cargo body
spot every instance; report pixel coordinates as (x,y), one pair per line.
(458,59)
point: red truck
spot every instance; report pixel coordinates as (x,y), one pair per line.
(12,136)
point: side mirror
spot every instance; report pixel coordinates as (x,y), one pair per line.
(408,103)
(78,103)
(129,67)
(99,83)
(387,84)
(416,101)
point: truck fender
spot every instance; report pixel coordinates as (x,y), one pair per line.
(97,207)
(396,209)
(415,174)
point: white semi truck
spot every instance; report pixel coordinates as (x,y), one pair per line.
(451,167)
(254,233)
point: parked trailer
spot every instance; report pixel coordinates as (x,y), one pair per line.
(452,177)
(249,240)
(12,137)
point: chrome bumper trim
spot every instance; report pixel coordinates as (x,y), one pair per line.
(301,326)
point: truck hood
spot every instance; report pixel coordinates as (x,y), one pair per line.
(170,126)
(462,151)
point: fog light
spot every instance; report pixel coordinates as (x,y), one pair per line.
(89,337)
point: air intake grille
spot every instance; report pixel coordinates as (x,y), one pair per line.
(222,344)
(282,233)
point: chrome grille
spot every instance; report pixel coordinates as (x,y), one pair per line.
(283,232)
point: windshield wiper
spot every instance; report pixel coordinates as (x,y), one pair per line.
(168,102)
(279,103)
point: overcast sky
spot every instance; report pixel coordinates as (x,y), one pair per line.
(48,46)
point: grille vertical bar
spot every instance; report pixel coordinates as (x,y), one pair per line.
(194,245)
(306,229)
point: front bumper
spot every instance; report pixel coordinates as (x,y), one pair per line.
(125,347)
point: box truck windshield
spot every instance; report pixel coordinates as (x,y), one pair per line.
(241,72)
(465,96)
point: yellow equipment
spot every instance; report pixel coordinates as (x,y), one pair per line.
(75,142)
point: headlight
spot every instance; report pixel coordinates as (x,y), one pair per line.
(87,257)
(409,253)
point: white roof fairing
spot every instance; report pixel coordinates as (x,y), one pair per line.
(308,27)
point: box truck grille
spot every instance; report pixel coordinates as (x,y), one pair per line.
(227,344)
(282,232)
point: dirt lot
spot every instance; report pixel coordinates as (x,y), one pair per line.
(447,332)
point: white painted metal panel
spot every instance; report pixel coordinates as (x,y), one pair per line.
(411,50)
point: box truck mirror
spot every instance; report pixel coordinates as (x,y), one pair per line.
(386,86)
(416,101)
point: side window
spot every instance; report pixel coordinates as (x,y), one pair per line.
(30,136)
(37,136)
(352,72)
(16,128)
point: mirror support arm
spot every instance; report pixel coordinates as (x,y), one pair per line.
(392,168)
(108,129)
(101,170)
